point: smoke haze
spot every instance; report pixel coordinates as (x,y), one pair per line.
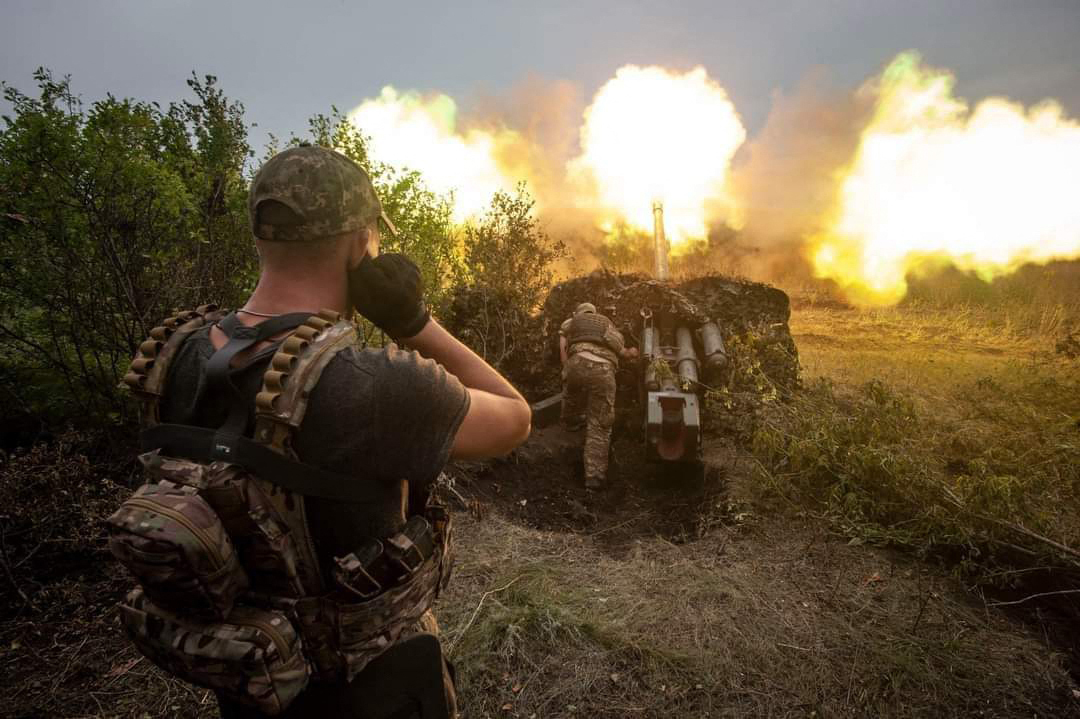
(769,207)
(787,177)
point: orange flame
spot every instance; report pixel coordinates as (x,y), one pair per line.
(932,180)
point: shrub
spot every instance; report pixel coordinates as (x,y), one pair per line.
(991,489)
(112,217)
(507,269)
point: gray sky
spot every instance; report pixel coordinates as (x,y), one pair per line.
(287,61)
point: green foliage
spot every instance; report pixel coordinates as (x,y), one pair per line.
(508,255)
(991,489)
(664,373)
(506,271)
(112,217)
(736,402)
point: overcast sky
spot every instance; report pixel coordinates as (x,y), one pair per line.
(288,60)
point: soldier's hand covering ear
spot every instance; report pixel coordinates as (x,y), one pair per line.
(389,291)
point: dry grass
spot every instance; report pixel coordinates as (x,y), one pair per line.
(764,612)
(932,431)
(62,653)
(765,622)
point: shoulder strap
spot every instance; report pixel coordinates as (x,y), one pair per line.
(201,444)
(239,338)
(304,353)
(294,371)
(150,368)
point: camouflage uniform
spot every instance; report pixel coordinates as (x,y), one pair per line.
(589,394)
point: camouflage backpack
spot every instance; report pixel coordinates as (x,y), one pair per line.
(231,595)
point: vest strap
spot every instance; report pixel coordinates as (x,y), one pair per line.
(201,444)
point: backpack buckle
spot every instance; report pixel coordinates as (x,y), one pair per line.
(224,446)
(412,545)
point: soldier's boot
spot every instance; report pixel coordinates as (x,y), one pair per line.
(595,482)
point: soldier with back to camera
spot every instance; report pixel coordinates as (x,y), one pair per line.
(590,348)
(286,546)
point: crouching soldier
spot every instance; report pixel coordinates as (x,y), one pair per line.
(287,552)
(590,348)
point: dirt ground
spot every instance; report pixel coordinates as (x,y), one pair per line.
(673,597)
(664,595)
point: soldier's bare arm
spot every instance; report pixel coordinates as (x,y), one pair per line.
(499,418)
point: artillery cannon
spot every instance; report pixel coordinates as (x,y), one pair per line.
(689,334)
(670,370)
(670,388)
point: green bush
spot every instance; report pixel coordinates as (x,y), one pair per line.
(112,217)
(506,269)
(992,489)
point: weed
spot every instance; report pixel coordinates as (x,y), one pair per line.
(986,473)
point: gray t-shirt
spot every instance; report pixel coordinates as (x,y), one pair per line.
(379,415)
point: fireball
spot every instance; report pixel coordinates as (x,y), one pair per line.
(987,189)
(410,131)
(651,135)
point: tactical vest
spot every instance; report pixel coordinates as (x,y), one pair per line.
(594,329)
(231,594)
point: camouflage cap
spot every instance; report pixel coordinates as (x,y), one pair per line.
(328,193)
(585,307)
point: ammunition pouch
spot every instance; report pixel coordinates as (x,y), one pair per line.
(396,587)
(376,565)
(342,635)
(254,656)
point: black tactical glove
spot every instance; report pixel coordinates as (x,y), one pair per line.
(389,291)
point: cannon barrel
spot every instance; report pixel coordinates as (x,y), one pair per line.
(660,241)
(713,345)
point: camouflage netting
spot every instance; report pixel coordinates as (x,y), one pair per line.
(750,315)
(753,319)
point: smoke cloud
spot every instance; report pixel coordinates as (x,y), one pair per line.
(766,208)
(787,177)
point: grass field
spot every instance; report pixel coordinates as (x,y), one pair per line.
(838,577)
(854,561)
(938,431)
